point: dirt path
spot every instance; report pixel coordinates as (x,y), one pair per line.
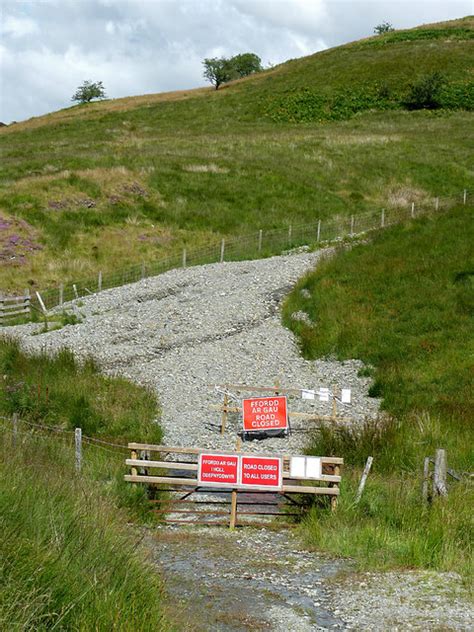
(251,579)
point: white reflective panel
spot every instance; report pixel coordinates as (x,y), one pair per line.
(313,467)
(307,394)
(346,395)
(297,466)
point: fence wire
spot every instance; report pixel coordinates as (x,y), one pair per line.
(255,245)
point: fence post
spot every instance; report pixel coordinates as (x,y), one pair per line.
(222,250)
(337,472)
(426,478)
(290,230)
(363,479)
(184,257)
(78,448)
(233,507)
(352,225)
(413,209)
(464,196)
(27,301)
(260,239)
(382,219)
(319,230)
(439,481)
(14,428)
(436,203)
(75,290)
(99,282)
(61,294)
(40,301)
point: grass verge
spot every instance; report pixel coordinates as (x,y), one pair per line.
(69,560)
(403,304)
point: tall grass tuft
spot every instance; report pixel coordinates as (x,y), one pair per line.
(68,561)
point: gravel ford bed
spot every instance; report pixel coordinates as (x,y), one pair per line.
(184,330)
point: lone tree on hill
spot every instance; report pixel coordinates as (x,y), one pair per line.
(217,71)
(89,91)
(221,70)
(384,27)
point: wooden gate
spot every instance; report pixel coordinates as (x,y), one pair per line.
(179,498)
(14,306)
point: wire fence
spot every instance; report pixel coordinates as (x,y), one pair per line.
(255,245)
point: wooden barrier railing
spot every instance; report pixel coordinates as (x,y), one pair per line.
(178,471)
(14,306)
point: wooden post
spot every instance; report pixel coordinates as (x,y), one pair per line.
(224,413)
(134,455)
(233,507)
(184,257)
(413,209)
(14,428)
(382,218)
(319,230)
(290,230)
(426,478)
(78,446)
(334,404)
(260,239)
(352,225)
(42,305)
(363,479)
(61,295)
(222,250)
(99,282)
(464,196)
(75,290)
(439,481)
(337,472)
(437,204)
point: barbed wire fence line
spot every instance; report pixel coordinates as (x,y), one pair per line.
(255,245)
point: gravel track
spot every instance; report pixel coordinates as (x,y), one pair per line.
(185,330)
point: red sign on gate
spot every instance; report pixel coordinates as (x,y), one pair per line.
(218,469)
(265,413)
(261,471)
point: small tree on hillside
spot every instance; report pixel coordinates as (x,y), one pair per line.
(246,64)
(384,27)
(89,91)
(217,71)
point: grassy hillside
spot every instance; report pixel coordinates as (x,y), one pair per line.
(404,304)
(113,183)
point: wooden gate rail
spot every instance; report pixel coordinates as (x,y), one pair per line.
(14,306)
(185,460)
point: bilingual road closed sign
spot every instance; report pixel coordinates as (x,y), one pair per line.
(265,413)
(260,471)
(219,470)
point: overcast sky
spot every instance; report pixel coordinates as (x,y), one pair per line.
(49,47)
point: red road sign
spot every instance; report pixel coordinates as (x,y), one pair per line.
(218,470)
(265,413)
(261,471)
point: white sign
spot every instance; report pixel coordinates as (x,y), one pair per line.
(313,467)
(307,394)
(323,394)
(305,467)
(297,467)
(346,395)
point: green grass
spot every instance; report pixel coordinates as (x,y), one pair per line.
(58,391)
(68,560)
(110,185)
(404,304)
